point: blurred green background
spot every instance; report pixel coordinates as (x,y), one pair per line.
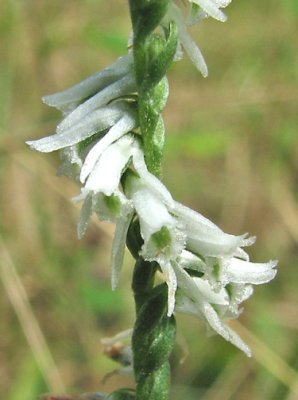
(231,153)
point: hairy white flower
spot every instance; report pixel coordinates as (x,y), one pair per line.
(102,183)
(207,239)
(214,303)
(70,99)
(163,238)
(212,7)
(94,123)
(193,51)
(199,10)
(101,194)
(195,297)
(162,233)
(93,106)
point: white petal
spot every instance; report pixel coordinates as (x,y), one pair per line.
(193,219)
(185,305)
(117,89)
(209,294)
(193,303)
(204,237)
(194,52)
(124,125)
(170,278)
(191,261)
(105,175)
(198,289)
(239,271)
(95,122)
(118,248)
(211,8)
(240,253)
(223,3)
(189,45)
(151,210)
(222,329)
(149,179)
(221,246)
(68,99)
(187,284)
(240,292)
(154,216)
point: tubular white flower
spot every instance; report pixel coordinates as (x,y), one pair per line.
(120,88)
(101,195)
(104,179)
(192,50)
(240,271)
(207,239)
(224,284)
(205,8)
(108,168)
(69,99)
(96,121)
(199,300)
(123,126)
(212,7)
(163,238)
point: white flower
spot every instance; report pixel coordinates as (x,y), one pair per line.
(212,7)
(93,106)
(70,99)
(162,234)
(207,8)
(207,239)
(93,124)
(101,194)
(195,297)
(200,297)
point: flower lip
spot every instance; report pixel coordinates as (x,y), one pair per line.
(240,271)
(123,126)
(107,171)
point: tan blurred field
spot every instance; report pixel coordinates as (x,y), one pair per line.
(231,153)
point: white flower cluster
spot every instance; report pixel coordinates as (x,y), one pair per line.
(207,271)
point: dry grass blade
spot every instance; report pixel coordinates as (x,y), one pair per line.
(48,175)
(229,381)
(285,204)
(269,359)
(37,342)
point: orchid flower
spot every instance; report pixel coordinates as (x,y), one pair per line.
(197,295)
(199,10)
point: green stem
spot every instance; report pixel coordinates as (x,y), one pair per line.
(153,336)
(153,54)
(154,332)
